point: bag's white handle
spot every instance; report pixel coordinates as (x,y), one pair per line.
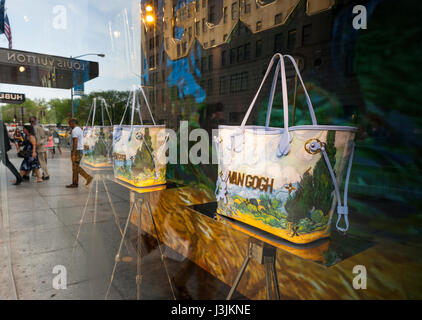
(95,108)
(342,210)
(147,103)
(104,103)
(281,61)
(272,93)
(284,145)
(87,120)
(280,66)
(124,113)
(308,99)
(134,99)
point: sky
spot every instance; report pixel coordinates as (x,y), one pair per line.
(75,27)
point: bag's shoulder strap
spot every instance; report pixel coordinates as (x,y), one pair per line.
(342,210)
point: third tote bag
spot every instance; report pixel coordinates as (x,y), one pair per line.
(139,150)
(285,181)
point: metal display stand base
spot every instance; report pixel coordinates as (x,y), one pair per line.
(98,177)
(263,254)
(142,199)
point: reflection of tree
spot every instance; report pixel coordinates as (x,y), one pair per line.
(314,190)
(392,123)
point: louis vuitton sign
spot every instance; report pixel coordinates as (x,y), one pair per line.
(43,70)
(41,60)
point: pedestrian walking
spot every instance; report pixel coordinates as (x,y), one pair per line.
(4,148)
(50,144)
(56,141)
(76,154)
(41,138)
(30,155)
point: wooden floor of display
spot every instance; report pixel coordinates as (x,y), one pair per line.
(393,269)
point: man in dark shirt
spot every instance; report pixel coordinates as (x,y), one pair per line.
(4,148)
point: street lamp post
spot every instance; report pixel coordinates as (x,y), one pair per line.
(101,55)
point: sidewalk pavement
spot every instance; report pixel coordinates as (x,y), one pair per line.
(44,219)
(39,223)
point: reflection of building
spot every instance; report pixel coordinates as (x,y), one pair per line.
(215,52)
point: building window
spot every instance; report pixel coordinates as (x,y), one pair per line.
(223,85)
(225,37)
(278,18)
(247,6)
(306,34)
(197,5)
(203,64)
(232,55)
(238,82)
(209,87)
(291,39)
(210,63)
(190,33)
(247,51)
(211,15)
(204,26)
(240,53)
(278,42)
(244,81)
(184,47)
(258,25)
(151,43)
(178,49)
(223,57)
(212,43)
(225,15)
(197,28)
(258,48)
(204,3)
(235,117)
(183,14)
(234,10)
(234,83)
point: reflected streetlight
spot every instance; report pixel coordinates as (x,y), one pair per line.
(148,20)
(101,55)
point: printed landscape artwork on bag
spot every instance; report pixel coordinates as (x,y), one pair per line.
(292,196)
(139,155)
(98,143)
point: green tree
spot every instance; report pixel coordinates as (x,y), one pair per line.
(143,159)
(314,190)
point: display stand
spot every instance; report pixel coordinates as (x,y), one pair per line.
(264,254)
(141,198)
(99,175)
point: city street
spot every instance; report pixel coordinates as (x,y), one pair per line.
(41,222)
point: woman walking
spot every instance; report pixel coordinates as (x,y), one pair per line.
(30,161)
